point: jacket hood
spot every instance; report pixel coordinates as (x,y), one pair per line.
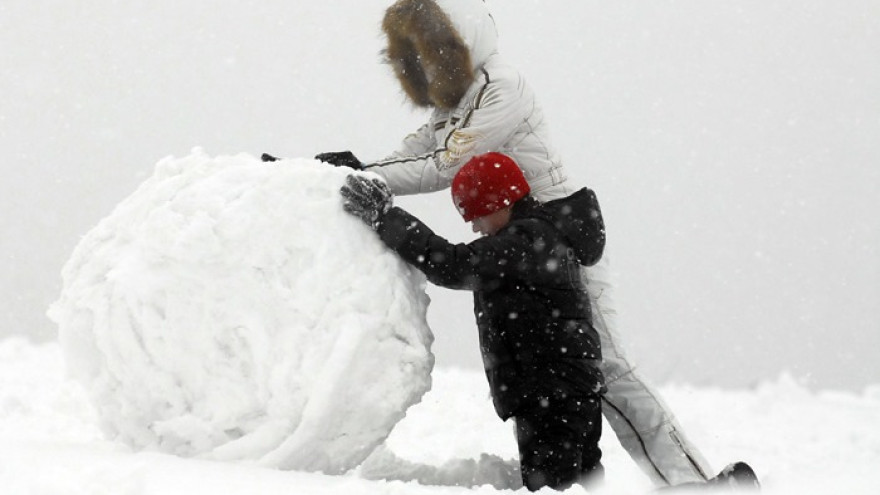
(577,217)
(435,47)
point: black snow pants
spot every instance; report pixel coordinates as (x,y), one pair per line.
(559,442)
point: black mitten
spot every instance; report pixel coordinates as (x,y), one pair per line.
(368,199)
(266,157)
(341,159)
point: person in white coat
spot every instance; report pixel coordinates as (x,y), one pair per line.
(444,54)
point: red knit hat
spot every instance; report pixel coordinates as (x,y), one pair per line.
(487,183)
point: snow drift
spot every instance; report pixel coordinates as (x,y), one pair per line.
(229,309)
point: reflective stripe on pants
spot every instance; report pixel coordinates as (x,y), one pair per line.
(643,423)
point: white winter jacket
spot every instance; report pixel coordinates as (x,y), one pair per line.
(498,111)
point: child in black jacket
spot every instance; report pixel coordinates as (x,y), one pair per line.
(540,352)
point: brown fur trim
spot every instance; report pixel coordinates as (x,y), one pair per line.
(429,57)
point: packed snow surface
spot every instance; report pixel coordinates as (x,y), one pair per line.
(229,309)
(799,442)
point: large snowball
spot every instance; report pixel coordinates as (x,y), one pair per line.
(231,309)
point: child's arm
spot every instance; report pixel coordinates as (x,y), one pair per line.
(480,265)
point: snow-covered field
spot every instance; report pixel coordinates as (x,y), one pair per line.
(737,127)
(799,442)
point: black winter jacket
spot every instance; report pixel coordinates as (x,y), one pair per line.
(532,309)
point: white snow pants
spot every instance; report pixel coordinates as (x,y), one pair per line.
(643,423)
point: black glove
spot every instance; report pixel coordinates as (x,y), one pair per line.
(269,158)
(368,199)
(341,159)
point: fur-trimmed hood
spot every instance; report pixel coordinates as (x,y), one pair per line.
(435,46)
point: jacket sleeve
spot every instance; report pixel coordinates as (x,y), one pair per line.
(410,170)
(418,143)
(480,265)
(488,119)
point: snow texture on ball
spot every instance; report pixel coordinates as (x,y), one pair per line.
(230,309)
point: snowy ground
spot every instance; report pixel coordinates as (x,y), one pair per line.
(799,442)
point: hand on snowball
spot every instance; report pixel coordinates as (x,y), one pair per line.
(368,199)
(341,159)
